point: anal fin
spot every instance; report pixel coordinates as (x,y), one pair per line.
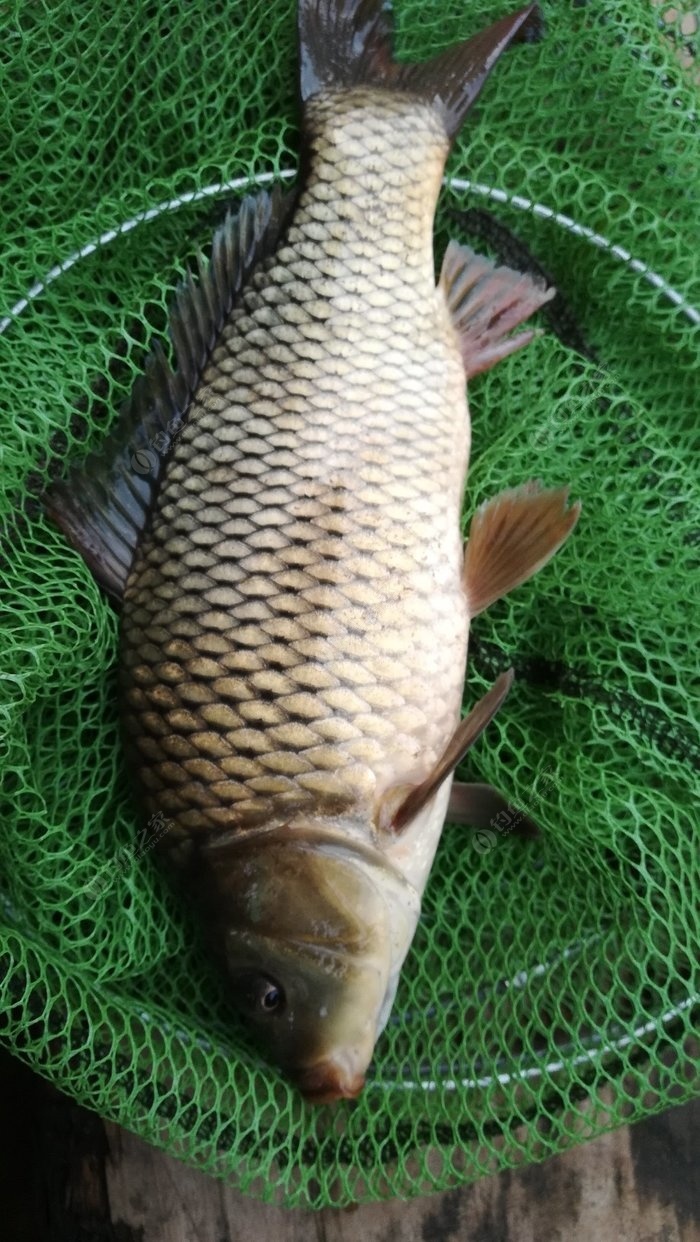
(486,303)
(511,537)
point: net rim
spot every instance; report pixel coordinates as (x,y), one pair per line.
(618,252)
(461,184)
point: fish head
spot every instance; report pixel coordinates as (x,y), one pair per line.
(314,931)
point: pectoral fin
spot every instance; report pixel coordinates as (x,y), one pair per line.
(511,537)
(482,806)
(402,804)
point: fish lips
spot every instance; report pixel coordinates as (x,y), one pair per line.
(328,1081)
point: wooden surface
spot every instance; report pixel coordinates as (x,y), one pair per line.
(67,1177)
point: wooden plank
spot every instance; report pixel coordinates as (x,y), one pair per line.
(634,1185)
(67,1177)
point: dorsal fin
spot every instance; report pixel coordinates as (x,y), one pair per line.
(102,506)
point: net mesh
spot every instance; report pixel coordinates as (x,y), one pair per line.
(549,991)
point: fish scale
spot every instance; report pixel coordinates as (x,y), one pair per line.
(294,626)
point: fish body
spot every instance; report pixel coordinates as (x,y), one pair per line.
(297,600)
(295,604)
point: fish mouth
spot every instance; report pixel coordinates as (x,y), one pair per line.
(328,1081)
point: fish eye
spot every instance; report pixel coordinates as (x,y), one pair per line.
(271,997)
(261,994)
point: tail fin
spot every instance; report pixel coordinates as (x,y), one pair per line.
(346,43)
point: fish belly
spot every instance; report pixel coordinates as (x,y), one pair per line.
(294,627)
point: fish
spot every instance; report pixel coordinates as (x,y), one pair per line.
(277,519)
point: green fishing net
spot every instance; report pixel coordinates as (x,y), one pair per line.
(549,992)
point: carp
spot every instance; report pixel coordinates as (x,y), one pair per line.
(294,593)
